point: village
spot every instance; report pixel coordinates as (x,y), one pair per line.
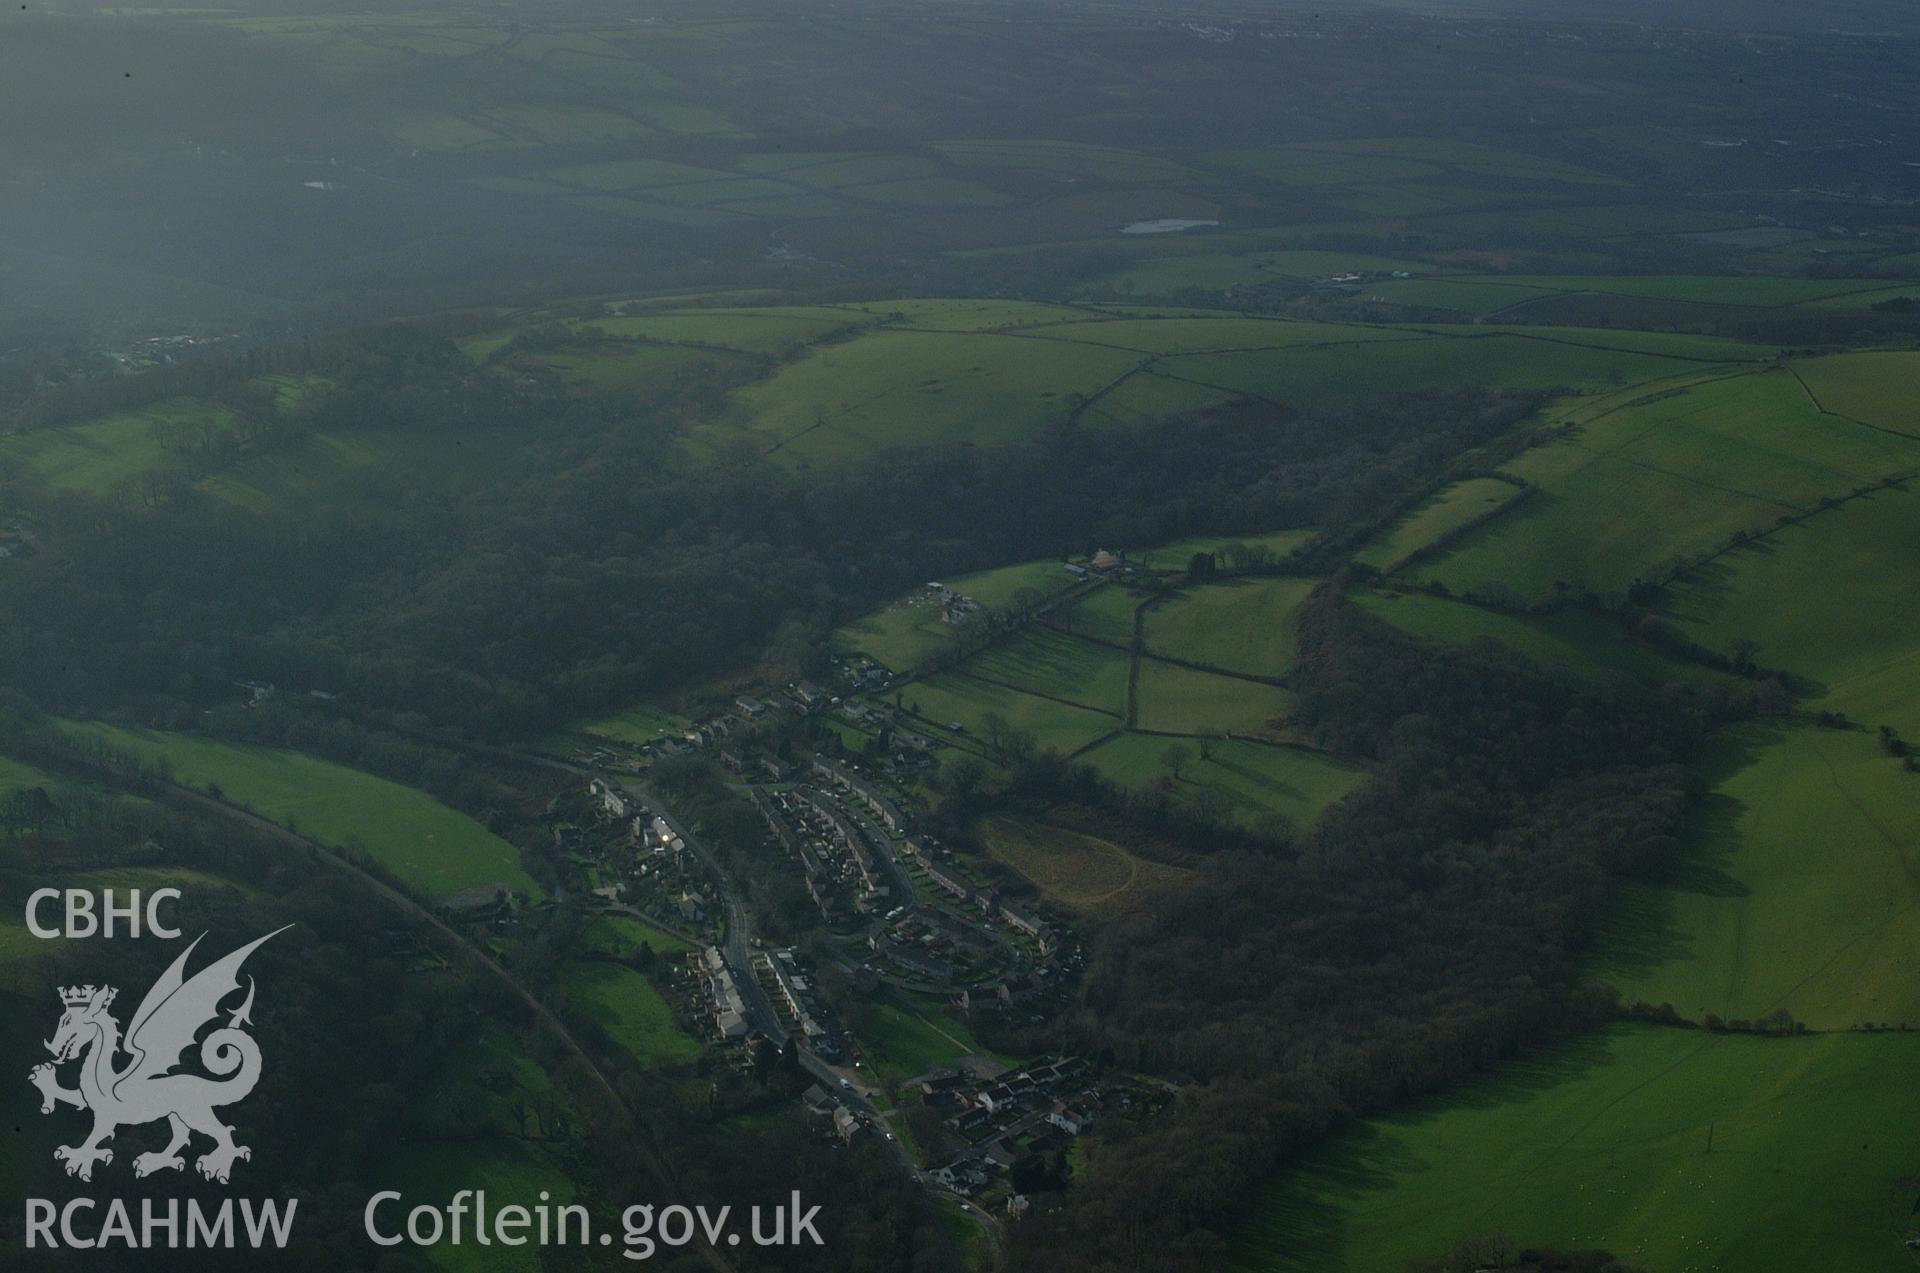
(896,909)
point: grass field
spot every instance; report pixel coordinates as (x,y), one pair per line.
(1044,661)
(1175,555)
(640,723)
(476,1093)
(906,388)
(1567,638)
(1253,778)
(1080,872)
(1055,726)
(902,1035)
(1240,625)
(1797,887)
(1602,1143)
(1700,289)
(771,332)
(1834,599)
(621,367)
(433,848)
(367,469)
(1180,700)
(1439,516)
(503,1168)
(97,457)
(1881,389)
(15,776)
(630,1010)
(1335,374)
(995,372)
(1104,614)
(1716,456)
(1172,335)
(911,629)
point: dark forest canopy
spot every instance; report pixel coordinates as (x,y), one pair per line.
(1427,929)
(613,565)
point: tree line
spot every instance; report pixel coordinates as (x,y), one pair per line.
(1428,928)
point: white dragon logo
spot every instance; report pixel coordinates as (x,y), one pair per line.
(163,1028)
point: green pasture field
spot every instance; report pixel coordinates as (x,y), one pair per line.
(1171,271)
(622,936)
(1254,779)
(1045,661)
(477,1088)
(528,124)
(1337,374)
(433,848)
(1467,157)
(16,776)
(614,367)
(1080,872)
(1867,300)
(1471,295)
(771,331)
(1449,510)
(1241,625)
(902,1035)
(927,192)
(1305,264)
(1722,289)
(1584,642)
(635,174)
(1423,198)
(1184,335)
(786,161)
(1148,398)
(1105,614)
(727,190)
(968,315)
(1321,166)
(1175,555)
(17,945)
(503,1168)
(1795,887)
(902,388)
(640,723)
(1834,599)
(375,467)
(687,215)
(97,457)
(1166,275)
(911,629)
(1602,1143)
(851,173)
(1682,345)
(1055,726)
(1716,456)
(630,1010)
(1880,389)
(1103,163)
(1179,700)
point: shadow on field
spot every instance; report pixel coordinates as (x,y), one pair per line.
(1046,661)
(1256,778)
(1305,1223)
(1638,934)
